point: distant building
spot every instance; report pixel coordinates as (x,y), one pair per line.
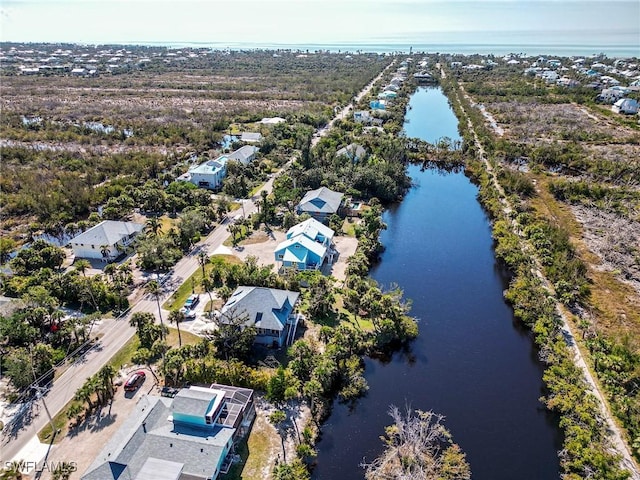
(251,137)
(320,203)
(378,105)
(269,310)
(105,241)
(354,151)
(189,436)
(272,120)
(208,174)
(627,106)
(362,116)
(611,95)
(245,154)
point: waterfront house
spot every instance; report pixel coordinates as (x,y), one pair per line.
(208,174)
(390,94)
(245,155)
(190,436)
(626,106)
(362,116)
(106,240)
(353,151)
(269,310)
(378,105)
(320,203)
(307,246)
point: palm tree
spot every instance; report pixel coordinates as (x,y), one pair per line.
(203,259)
(105,250)
(153,225)
(153,288)
(208,285)
(177,317)
(82,266)
(105,376)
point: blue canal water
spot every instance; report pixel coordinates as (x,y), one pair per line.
(471,362)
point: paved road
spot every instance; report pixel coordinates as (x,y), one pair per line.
(115,333)
(345,111)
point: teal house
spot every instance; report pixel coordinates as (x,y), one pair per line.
(378,105)
(307,246)
(191,436)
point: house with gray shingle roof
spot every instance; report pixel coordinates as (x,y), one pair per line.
(353,151)
(106,240)
(186,437)
(269,310)
(320,203)
(245,155)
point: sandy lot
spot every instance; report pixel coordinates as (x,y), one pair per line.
(82,444)
(262,246)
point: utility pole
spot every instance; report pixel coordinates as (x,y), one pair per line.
(40,396)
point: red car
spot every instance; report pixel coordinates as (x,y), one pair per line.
(134,381)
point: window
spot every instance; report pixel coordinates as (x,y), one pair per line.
(280,256)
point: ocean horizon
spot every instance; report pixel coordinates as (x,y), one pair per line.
(499,49)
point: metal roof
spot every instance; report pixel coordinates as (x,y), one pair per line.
(107,232)
(273,304)
(321,200)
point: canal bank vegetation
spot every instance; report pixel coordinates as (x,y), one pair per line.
(534,176)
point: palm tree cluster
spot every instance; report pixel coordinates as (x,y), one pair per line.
(99,387)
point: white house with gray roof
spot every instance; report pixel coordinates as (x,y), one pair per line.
(320,203)
(188,437)
(245,155)
(251,137)
(269,310)
(106,240)
(208,174)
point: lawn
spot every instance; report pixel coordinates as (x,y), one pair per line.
(194,282)
(349,227)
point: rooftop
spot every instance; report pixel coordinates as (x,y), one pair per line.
(321,200)
(210,166)
(149,445)
(266,308)
(107,232)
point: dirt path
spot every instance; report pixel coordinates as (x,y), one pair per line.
(616,437)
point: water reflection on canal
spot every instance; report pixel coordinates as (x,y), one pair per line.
(471,361)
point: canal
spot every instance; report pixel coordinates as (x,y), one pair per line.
(471,362)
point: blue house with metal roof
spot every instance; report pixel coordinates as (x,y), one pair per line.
(306,247)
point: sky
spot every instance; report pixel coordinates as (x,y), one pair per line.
(320,21)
